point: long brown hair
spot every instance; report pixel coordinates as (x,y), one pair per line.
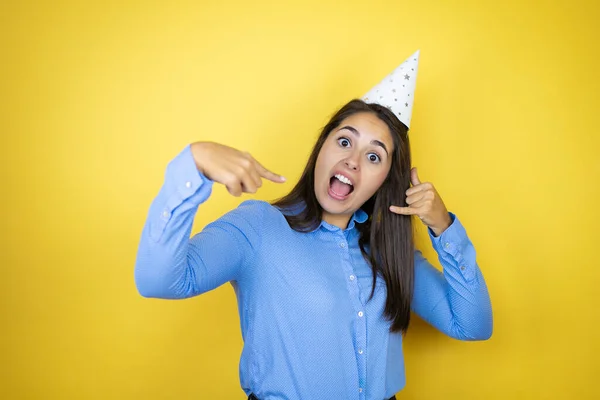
(388,236)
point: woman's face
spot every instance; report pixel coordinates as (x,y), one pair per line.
(352,164)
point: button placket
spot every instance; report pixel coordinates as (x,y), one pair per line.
(361,342)
(344,246)
(448,248)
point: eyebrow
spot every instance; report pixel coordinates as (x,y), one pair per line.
(357,133)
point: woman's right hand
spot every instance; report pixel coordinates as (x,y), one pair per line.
(237,170)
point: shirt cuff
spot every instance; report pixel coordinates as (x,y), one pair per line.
(455,243)
(184,179)
(184,188)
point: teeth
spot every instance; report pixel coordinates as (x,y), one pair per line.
(343,179)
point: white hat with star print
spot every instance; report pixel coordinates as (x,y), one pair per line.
(397,90)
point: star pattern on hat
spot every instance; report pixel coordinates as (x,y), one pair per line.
(396,91)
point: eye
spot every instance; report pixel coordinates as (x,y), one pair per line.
(344,142)
(374,157)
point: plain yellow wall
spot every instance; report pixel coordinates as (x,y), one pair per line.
(97,98)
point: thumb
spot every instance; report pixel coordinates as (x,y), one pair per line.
(414,178)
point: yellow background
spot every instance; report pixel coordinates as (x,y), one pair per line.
(96,99)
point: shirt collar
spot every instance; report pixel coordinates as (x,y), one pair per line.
(359,216)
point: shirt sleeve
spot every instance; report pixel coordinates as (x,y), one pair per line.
(455,301)
(170,264)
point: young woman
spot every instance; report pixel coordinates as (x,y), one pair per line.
(327,276)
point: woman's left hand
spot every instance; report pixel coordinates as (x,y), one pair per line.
(425,202)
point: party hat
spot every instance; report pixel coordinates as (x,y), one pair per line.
(397,90)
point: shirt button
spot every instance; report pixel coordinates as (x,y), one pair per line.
(165,214)
(360,390)
(352,277)
(360,314)
(342,245)
(462,267)
(360,351)
(447,245)
(188,184)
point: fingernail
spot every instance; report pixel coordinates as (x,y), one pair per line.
(282,178)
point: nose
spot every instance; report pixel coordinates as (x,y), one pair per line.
(352,163)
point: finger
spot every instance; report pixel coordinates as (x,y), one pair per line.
(419,205)
(249,167)
(265,173)
(403,210)
(255,175)
(233,183)
(421,187)
(235,189)
(410,200)
(248,183)
(414,177)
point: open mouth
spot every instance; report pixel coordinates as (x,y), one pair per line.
(340,187)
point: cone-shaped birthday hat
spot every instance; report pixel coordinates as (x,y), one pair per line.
(397,90)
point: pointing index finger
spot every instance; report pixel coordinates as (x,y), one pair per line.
(265,173)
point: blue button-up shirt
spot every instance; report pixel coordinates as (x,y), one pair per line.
(308,330)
